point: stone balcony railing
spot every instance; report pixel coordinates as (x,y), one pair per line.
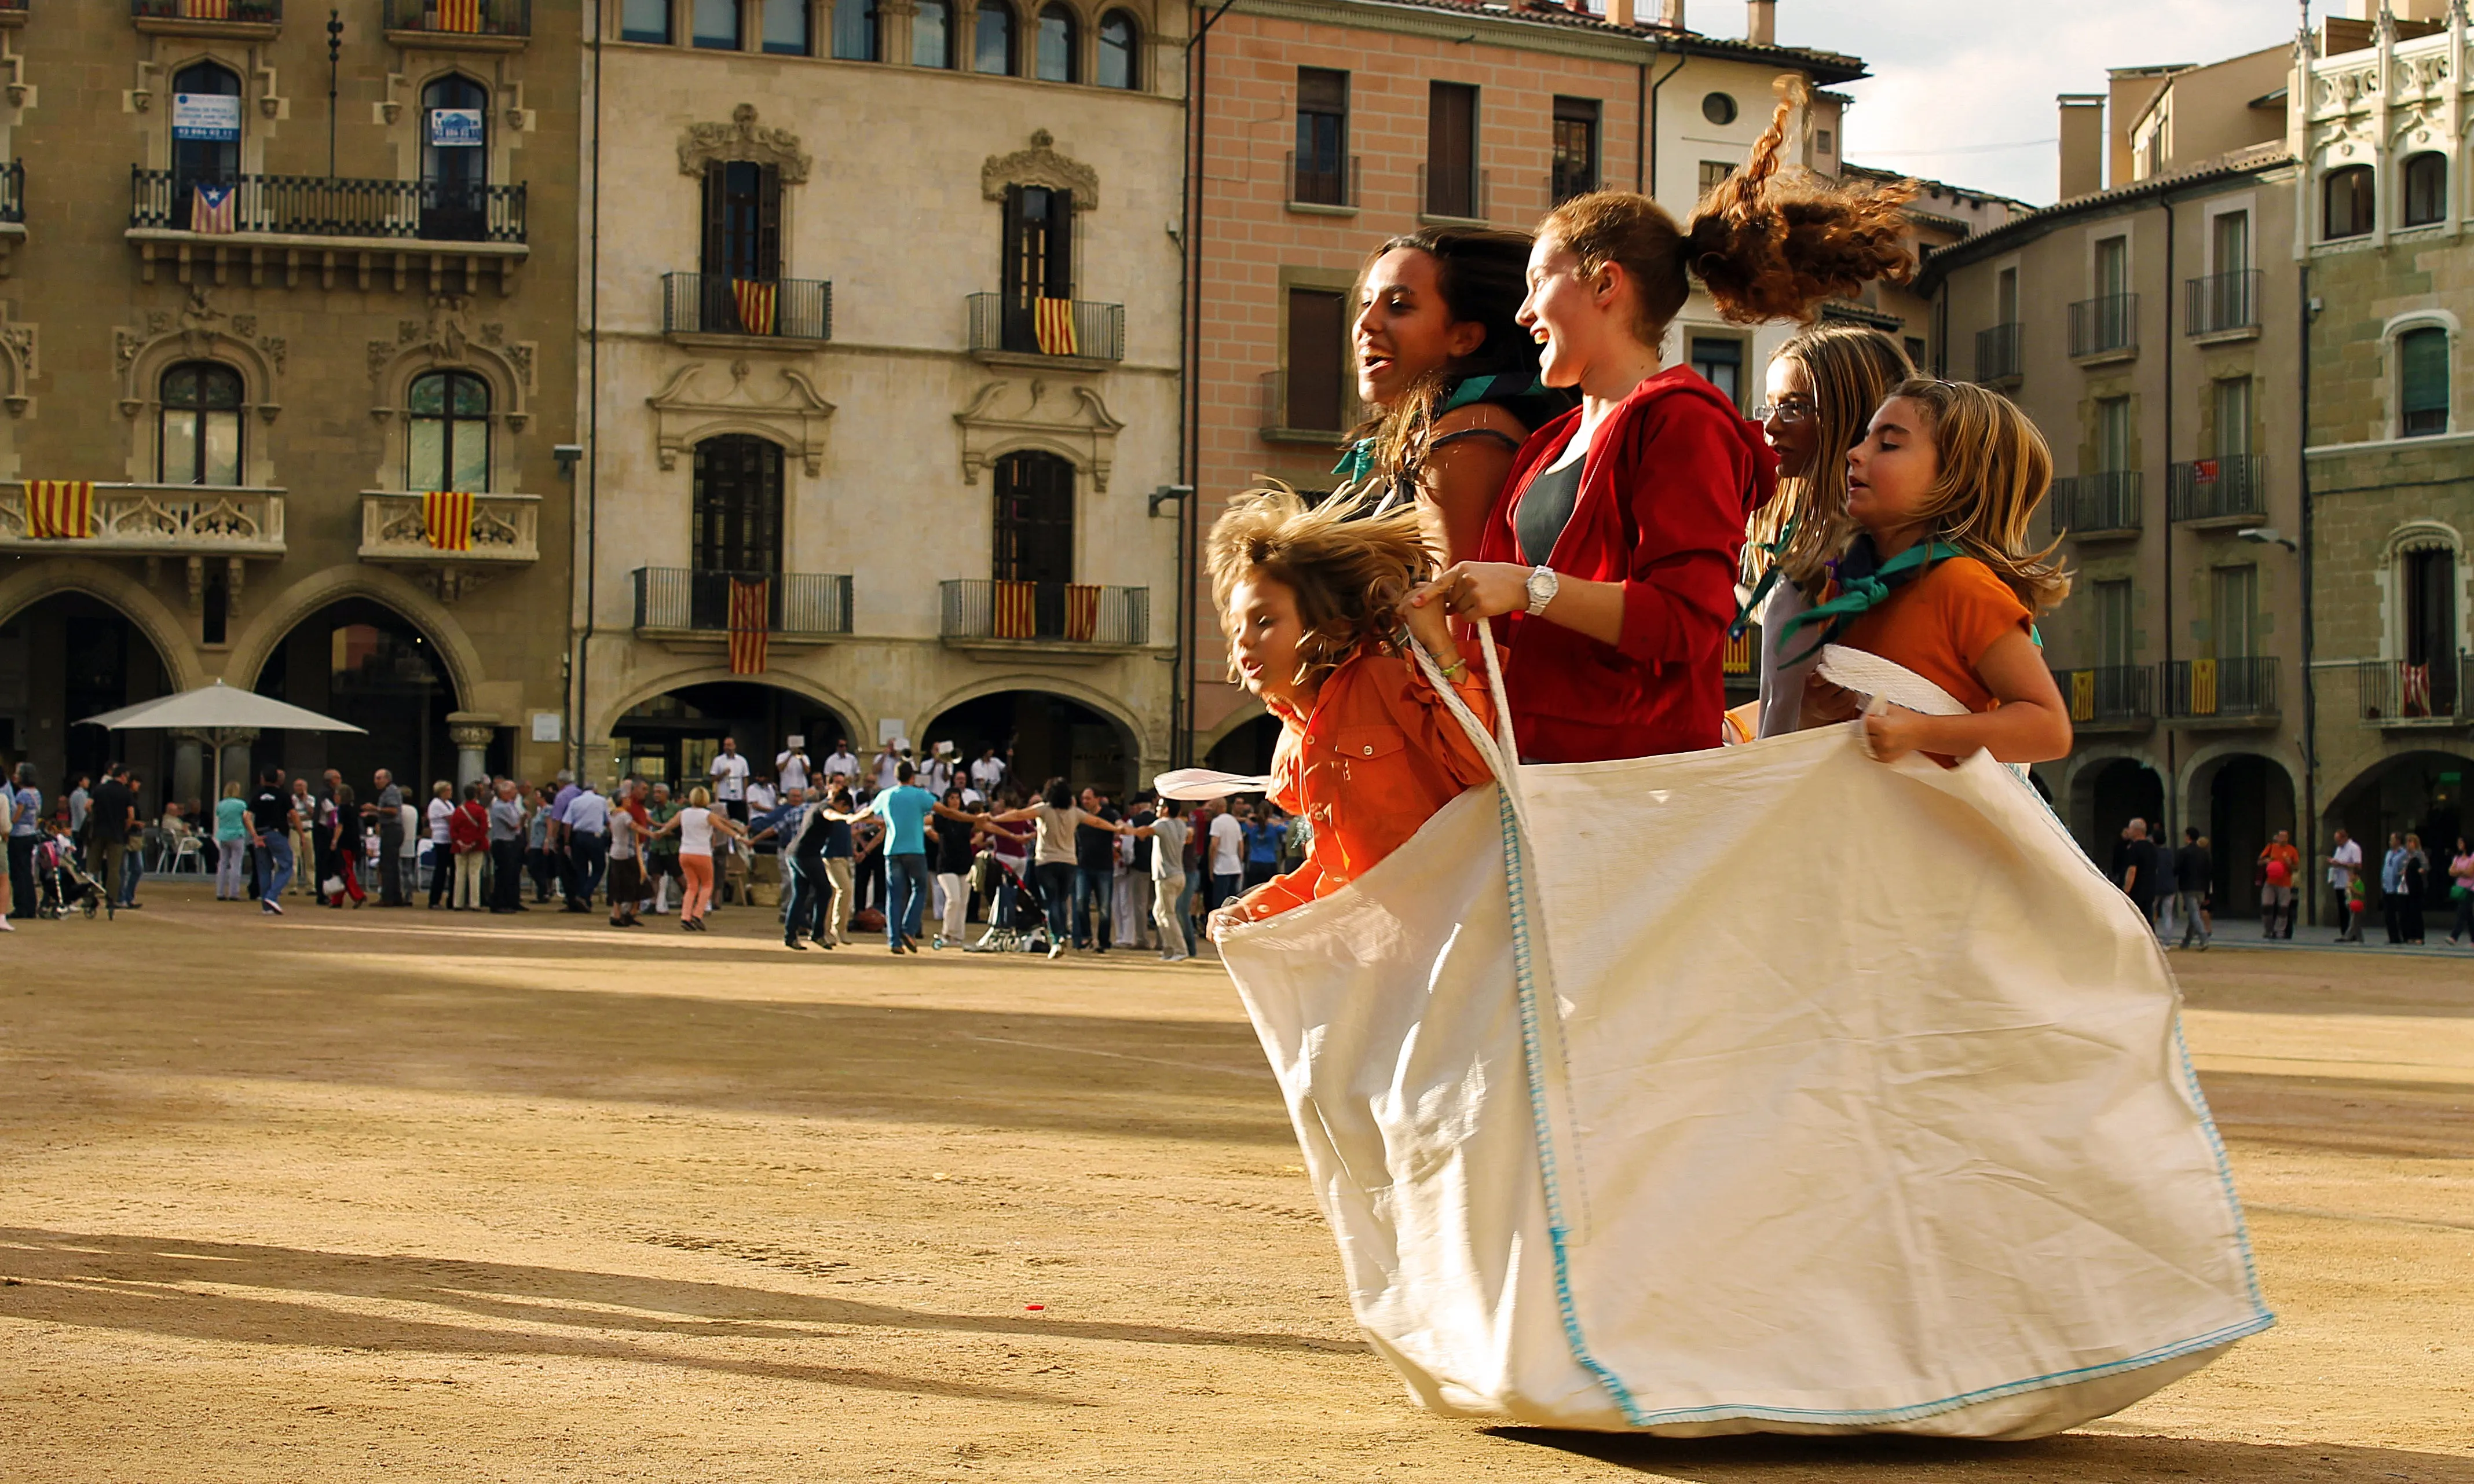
(506,530)
(157,520)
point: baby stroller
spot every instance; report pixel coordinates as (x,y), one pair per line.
(62,879)
(1006,933)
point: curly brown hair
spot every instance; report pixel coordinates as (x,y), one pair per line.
(1767,243)
(1349,567)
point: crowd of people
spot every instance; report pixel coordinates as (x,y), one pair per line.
(940,852)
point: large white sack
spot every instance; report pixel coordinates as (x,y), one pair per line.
(1858,1101)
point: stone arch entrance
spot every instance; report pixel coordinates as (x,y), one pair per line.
(361,661)
(2106,795)
(2420,793)
(70,655)
(1042,735)
(671,737)
(2239,800)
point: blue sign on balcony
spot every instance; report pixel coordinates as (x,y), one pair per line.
(455,129)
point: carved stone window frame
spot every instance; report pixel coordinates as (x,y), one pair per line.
(399,111)
(198,330)
(1042,165)
(1070,420)
(685,413)
(263,107)
(449,341)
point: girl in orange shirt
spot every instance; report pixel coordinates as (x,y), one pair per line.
(1312,599)
(1940,577)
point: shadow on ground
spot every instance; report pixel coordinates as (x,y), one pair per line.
(2076,1457)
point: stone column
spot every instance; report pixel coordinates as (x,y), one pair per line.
(472,740)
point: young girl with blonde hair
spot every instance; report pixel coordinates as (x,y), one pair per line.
(1823,385)
(1614,548)
(1941,579)
(1312,599)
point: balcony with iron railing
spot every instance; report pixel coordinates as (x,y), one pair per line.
(1070,329)
(13,192)
(2101,506)
(460,25)
(2240,691)
(154,520)
(2104,329)
(1996,354)
(253,19)
(1072,622)
(2222,305)
(2228,490)
(685,603)
(400,526)
(306,226)
(705,304)
(1337,191)
(2432,694)
(13,13)
(2109,697)
(1318,418)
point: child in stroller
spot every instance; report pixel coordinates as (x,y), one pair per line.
(62,878)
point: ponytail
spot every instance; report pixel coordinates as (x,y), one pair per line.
(1766,243)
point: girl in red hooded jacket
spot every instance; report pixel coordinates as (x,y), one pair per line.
(1312,602)
(1611,552)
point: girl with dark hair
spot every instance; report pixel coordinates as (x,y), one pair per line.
(1823,387)
(1612,549)
(1448,376)
(343,842)
(1056,817)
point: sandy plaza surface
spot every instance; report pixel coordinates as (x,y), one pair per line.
(418,1195)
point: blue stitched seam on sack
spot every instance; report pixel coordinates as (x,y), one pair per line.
(1526,990)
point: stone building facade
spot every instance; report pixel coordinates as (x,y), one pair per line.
(1329,127)
(883,317)
(2378,113)
(263,331)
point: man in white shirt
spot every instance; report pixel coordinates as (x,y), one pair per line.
(1227,854)
(2345,863)
(888,762)
(760,798)
(792,768)
(441,861)
(988,772)
(729,773)
(938,775)
(841,760)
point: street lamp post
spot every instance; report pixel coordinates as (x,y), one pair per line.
(335,59)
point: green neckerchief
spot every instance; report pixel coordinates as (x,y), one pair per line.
(1769,580)
(1359,461)
(1860,592)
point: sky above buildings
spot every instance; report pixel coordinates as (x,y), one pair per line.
(1962,90)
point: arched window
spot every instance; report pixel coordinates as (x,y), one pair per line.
(2425,197)
(931,35)
(449,443)
(1117,39)
(993,39)
(205,134)
(1035,534)
(855,30)
(786,27)
(2347,202)
(2422,381)
(738,507)
(200,425)
(1058,43)
(454,159)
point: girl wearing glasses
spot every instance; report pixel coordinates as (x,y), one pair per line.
(1823,387)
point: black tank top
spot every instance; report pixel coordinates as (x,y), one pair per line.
(1546,509)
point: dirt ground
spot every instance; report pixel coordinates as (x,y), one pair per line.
(405,1195)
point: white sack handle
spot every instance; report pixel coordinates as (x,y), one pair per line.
(1496,751)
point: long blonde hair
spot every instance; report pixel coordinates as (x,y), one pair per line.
(1851,369)
(1991,470)
(1349,567)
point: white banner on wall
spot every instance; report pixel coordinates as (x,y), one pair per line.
(211,117)
(455,129)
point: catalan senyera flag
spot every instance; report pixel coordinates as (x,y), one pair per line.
(1081,610)
(206,10)
(459,16)
(2203,687)
(2082,696)
(1053,322)
(755,298)
(447,520)
(59,509)
(1016,611)
(750,612)
(211,208)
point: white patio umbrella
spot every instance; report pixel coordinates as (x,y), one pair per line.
(220,714)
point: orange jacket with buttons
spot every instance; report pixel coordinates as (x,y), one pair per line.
(1376,757)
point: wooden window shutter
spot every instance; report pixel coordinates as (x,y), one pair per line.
(768,224)
(1060,245)
(1017,288)
(717,216)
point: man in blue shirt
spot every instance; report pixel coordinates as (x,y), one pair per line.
(905,810)
(1263,837)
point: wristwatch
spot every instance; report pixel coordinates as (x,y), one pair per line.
(1542,588)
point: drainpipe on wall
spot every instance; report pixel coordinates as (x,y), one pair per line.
(2172,769)
(581,678)
(1651,190)
(2310,685)
(1189,449)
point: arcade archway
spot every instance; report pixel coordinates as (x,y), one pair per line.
(72,655)
(2421,793)
(1042,736)
(671,738)
(360,661)
(2249,798)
